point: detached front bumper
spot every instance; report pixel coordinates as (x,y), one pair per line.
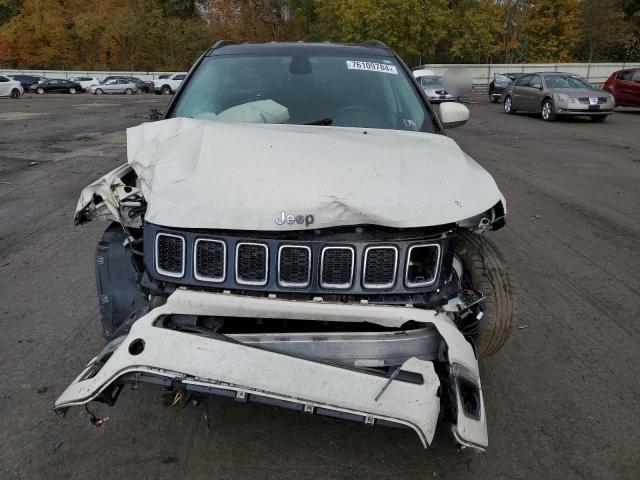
(226,366)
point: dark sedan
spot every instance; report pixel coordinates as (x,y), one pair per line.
(56,86)
(27,80)
(499,83)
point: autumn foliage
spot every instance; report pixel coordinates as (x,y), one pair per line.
(170,34)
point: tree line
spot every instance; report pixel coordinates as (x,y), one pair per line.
(157,35)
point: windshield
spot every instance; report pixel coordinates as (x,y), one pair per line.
(502,78)
(333,90)
(566,81)
(432,81)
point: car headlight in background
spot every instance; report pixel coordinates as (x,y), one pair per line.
(563,97)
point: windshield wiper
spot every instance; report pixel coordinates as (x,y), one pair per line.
(324,121)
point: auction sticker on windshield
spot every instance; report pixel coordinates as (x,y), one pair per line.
(373,67)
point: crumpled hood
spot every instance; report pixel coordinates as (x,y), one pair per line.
(207,174)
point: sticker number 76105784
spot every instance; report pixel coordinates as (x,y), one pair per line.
(373,67)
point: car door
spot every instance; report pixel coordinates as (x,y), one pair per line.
(535,94)
(634,89)
(52,86)
(123,84)
(519,92)
(5,86)
(176,81)
(624,87)
(110,86)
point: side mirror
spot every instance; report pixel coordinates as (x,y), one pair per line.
(453,114)
(537,85)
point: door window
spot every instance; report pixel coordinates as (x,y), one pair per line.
(4,79)
(536,80)
(636,76)
(524,81)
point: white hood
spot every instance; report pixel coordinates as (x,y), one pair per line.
(208,174)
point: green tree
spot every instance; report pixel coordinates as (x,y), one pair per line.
(553,29)
(602,26)
(475,30)
(411,27)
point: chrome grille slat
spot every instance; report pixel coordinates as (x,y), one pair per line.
(252,263)
(170,255)
(336,267)
(209,260)
(379,267)
(294,266)
(418,279)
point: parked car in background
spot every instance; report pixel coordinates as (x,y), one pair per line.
(436,89)
(624,85)
(115,85)
(553,94)
(164,75)
(56,85)
(143,86)
(85,82)
(27,80)
(10,88)
(499,83)
(169,85)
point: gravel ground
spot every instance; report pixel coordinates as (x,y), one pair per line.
(561,397)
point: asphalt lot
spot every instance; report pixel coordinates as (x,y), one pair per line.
(562,397)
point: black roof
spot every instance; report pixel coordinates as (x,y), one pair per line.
(375,49)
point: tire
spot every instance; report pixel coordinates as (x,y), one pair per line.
(72,91)
(40,91)
(15,93)
(598,118)
(547,113)
(166,90)
(484,267)
(128,91)
(98,91)
(508,105)
(492,99)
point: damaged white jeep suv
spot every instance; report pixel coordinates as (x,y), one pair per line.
(298,231)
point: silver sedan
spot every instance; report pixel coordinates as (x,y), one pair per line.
(554,94)
(116,85)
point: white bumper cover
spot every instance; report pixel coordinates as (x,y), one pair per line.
(200,361)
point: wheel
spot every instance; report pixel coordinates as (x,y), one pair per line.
(548,114)
(166,90)
(15,93)
(98,91)
(40,91)
(128,91)
(598,118)
(508,105)
(72,91)
(484,267)
(493,99)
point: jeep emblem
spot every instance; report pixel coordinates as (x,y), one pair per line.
(305,220)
